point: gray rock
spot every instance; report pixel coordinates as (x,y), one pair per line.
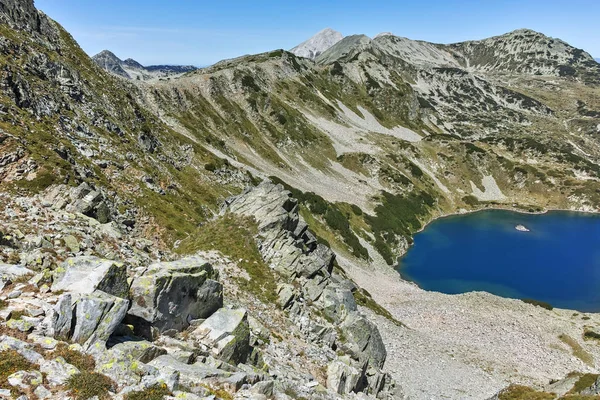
(84,275)
(25,379)
(227,334)
(61,319)
(342,377)
(97,315)
(285,295)
(122,368)
(337,302)
(9,272)
(364,339)
(58,371)
(142,350)
(42,392)
(169,295)
(264,387)
(72,243)
(190,375)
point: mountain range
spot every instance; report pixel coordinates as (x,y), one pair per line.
(131,69)
(281,187)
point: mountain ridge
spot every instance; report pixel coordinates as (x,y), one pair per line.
(131,69)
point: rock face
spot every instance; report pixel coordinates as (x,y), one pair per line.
(84,275)
(170,295)
(317,44)
(290,249)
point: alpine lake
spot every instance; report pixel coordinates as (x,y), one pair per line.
(552,258)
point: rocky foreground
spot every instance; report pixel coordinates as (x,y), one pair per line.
(181,329)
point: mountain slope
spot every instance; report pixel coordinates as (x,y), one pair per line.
(375,139)
(317,44)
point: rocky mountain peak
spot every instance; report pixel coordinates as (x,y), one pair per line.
(130,62)
(110,62)
(317,44)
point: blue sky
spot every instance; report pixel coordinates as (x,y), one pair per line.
(202,32)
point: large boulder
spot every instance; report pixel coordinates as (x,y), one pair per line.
(343,377)
(191,375)
(363,340)
(227,334)
(171,294)
(84,275)
(89,319)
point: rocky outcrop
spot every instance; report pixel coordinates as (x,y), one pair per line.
(227,334)
(88,319)
(84,275)
(292,250)
(169,295)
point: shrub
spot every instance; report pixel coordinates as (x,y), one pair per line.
(89,384)
(11,362)
(83,362)
(538,303)
(156,392)
(519,392)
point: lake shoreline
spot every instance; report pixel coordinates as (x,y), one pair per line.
(450,256)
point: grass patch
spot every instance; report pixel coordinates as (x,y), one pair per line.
(591,335)
(584,382)
(219,393)
(156,392)
(519,392)
(363,298)
(11,362)
(578,351)
(3,304)
(234,236)
(83,362)
(89,384)
(538,303)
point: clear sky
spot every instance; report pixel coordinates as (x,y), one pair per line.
(201,32)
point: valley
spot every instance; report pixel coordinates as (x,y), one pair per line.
(365,141)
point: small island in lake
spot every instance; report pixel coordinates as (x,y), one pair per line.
(522,228)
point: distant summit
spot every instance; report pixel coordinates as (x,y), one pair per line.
(317,44)
(132,69)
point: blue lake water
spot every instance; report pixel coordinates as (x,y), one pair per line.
(558,261)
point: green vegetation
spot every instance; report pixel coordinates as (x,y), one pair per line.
(519,392)
(3,304)
(363,298)
(89,384)
(156,392)
(584,382)
(234,236)
(11,362)
(578,351)
(331,214)
(591,335)
(538,303)
(83,362)
(398,215)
